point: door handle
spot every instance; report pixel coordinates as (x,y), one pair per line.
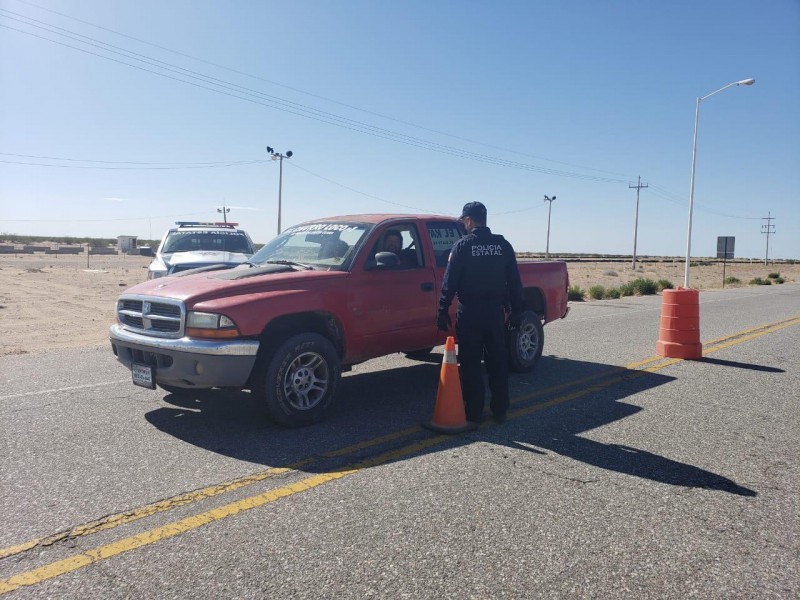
(426,287)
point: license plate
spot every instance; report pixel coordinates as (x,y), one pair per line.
(144,375)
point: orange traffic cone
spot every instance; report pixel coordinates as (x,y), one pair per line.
(448,414)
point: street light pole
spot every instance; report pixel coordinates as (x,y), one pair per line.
(224,210)
(549,208)
(694,157)
(279,157)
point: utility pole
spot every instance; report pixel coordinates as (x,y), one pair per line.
(638,187)
(768,228)
(279,157)
(224,210)
(549,208)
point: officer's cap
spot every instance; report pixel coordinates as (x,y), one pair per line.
(474,210)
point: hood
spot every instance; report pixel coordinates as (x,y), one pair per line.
(211,285)
(205,257)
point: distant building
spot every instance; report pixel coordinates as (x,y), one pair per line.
(126,243)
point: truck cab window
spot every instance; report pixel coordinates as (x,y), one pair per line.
(443,236)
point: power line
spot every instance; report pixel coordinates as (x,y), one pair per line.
(34,164)
(365,194)
(278,103)
(670,196)
(128,162)
(307,112)
(272,82)
(379,199)
(100,220)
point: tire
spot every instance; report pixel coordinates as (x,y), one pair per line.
(424,353)
(525,344)
(297,383)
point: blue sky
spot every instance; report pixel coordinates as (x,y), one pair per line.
(405,107)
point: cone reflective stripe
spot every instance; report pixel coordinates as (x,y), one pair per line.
(448,414)
(449,356)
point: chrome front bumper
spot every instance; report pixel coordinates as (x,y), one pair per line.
(187,362)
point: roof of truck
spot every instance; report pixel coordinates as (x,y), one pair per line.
(381,217)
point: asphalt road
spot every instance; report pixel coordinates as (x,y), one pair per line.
(619,474)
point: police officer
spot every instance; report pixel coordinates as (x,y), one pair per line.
(482,271)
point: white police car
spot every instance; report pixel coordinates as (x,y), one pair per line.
(193,244)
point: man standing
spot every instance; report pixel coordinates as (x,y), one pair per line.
(482,271)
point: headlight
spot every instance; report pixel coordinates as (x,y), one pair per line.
(210,325)
(155,274)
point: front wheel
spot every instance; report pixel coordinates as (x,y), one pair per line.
(525,343)
(297,383)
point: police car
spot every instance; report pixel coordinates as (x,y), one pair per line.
(192,244)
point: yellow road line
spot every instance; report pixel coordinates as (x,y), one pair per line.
(147,510)
(79,561)
(746,338)
(153,508)
(789,321)
(170,530)
(117,519)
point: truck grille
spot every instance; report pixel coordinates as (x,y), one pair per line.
(159,317)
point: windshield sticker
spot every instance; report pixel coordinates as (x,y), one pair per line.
(322,227)
(443,238)
(198,233)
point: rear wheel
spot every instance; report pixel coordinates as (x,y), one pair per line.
(297,383)
(525,343)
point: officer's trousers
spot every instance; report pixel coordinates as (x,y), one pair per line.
(481,334)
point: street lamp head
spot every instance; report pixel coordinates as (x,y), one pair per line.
(746,82)
(289,153)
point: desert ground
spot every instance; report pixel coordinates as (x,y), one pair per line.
(51,302)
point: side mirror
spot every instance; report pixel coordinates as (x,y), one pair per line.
(386,259)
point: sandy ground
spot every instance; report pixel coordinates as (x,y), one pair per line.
(49,302)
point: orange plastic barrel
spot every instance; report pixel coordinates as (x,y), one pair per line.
(679,331)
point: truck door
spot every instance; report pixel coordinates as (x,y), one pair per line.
(393,308)
(443,234)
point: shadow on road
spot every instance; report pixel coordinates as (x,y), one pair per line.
(377,403)
(739,365)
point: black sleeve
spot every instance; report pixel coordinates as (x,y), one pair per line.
(452,277)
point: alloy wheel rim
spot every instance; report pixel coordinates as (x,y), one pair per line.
(306,381)
(527,342)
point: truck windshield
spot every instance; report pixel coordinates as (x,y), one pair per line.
(326,246)
(223,241)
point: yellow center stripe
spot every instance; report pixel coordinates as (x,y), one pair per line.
(78,561)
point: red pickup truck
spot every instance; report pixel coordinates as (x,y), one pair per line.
(320,297)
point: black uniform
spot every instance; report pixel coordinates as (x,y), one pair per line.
(483,272)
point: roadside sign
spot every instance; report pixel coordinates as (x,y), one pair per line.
(725,246)
(725,251)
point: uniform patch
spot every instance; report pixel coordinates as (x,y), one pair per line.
(487,250)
